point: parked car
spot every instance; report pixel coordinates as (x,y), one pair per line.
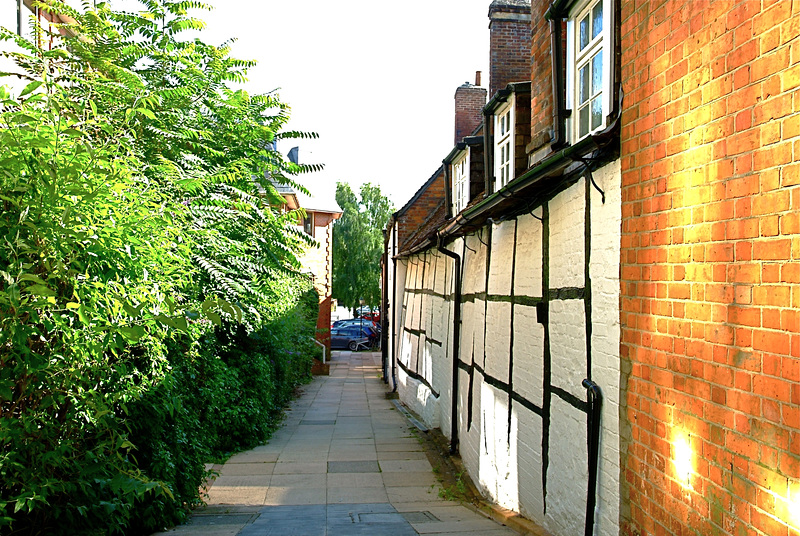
(371,324)
(371,329)
(369,313)
(350,337)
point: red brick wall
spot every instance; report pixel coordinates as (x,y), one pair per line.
(541,76)
(470,101)
(711,265)
(522,134)
(477,176)
(324,323)
(509,43)
(420,211)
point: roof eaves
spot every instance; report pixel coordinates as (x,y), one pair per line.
(554,166)
(502,95)
(558,9)
(323,210)
(469,141)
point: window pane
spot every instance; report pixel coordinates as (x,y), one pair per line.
(583,128)
(597,112)
(597,19)
(583,84)
(597,74)
(584,33)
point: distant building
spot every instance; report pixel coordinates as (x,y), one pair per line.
(317,261)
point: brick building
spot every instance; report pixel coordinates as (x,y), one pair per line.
(602,311)
(316,260)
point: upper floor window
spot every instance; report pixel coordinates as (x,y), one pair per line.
(504,146)
(589,57)
(461,182)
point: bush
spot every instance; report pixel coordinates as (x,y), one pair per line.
(150,314)
(225,393)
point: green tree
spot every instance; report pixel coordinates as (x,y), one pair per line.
(141,269)
(358,244)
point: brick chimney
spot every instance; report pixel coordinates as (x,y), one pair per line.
(470,100)
(509,43)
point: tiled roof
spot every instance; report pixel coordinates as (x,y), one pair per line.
(436,218)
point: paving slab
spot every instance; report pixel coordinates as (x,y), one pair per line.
(345,462)
(355,480)
(401,455)
(245,469)
(360,466)
(292,468)
(403,466)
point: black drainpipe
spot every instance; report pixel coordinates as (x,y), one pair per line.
(595,397)
(456,338)
(385,308)
(394,306)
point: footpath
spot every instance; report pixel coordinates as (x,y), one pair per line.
(345,462)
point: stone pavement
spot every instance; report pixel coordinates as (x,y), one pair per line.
(345,463)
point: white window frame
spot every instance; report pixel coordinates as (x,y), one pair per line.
(459,172)
(602,45)
(504,144)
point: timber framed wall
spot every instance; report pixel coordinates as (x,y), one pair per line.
(540,312)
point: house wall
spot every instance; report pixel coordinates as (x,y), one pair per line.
(540,312)
(318,261)
(522,137)
(711,266)
(541,78)
(425,337)
(477,174)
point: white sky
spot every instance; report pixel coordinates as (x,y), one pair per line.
(374,79)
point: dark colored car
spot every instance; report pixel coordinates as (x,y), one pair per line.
(351,337)
(366,324)
(371,329)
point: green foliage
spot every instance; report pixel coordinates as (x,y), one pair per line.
(150,313)
(225,393)
(358,244)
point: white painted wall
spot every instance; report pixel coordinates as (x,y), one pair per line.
(508,449)
(605,273)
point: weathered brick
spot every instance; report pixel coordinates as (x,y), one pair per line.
(748,115)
